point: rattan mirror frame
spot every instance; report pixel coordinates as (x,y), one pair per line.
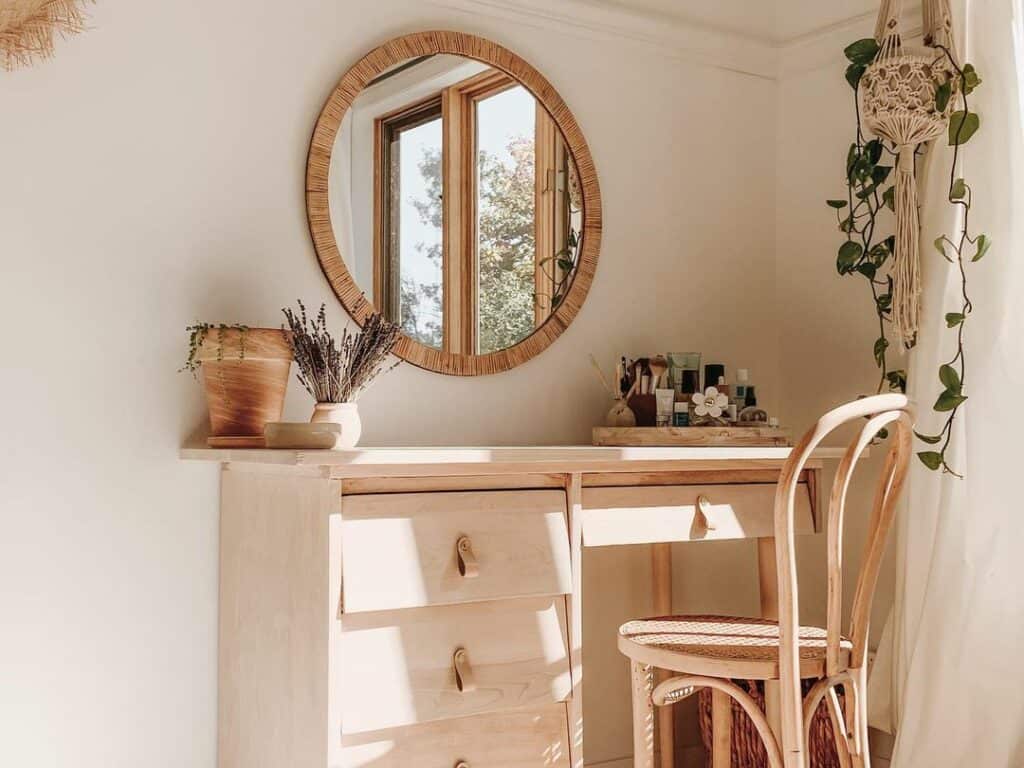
(318,212)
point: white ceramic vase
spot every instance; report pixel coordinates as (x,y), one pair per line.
(345,415)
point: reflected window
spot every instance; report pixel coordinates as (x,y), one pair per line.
(410,284)
(506,192)
(475,222)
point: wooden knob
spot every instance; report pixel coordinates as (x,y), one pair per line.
(463,671)
(469,568)
(703,510)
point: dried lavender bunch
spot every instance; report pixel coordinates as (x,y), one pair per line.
(335,372)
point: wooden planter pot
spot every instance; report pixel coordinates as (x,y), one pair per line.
(244,392)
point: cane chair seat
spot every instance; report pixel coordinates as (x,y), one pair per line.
(721,646)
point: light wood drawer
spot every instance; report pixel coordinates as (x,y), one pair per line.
(397,668)
(399,550)
(520,739)
(643,515)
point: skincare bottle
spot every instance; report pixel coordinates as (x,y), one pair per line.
(751,398)
(681,416)
(742,381)
(665,404)
(722,387)
(712,373)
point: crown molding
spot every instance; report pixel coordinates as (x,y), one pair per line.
(688,41)
(666,36)
(824,46)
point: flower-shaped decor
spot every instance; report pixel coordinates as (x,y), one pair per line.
(711,403)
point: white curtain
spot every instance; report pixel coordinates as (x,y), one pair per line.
(949,680)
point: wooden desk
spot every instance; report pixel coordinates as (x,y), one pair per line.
(398,606)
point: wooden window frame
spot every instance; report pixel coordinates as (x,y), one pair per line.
(386,287)
(459,183)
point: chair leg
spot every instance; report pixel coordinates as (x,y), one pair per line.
(643,715)
(838,728)
(721,729)
(857,718)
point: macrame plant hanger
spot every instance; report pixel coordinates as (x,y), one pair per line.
(898,103)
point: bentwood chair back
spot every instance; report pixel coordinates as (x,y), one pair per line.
(709,651)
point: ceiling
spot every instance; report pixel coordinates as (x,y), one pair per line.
(772,21)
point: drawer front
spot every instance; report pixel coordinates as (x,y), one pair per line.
(643,515)
(398,668)
(521,739)
(401,550)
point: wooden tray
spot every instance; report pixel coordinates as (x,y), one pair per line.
(712,436)
(303,435)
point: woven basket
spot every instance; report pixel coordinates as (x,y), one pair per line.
(747,748)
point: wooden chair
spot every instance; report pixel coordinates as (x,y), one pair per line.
(710,651)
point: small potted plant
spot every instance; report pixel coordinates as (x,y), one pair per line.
(245,375)
(334,373)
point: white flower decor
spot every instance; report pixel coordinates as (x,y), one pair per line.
(711,403)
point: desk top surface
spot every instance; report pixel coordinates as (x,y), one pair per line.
(476,460)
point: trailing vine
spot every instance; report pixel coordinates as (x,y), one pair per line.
(197,336)
(868,253)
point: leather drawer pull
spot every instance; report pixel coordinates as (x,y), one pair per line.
(703,508)
(463,671)
(468,565)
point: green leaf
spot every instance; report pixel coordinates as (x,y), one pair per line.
(950,379)
(931,459)
(983,243)
(882,434)
(868,270)
(889,198)
(884,302)
(881,344)
(962,125)
(880,173)
(958,191)
(854,72)
(942,94)
(846,224)
(867,191)
(897,380)
(873,150)
(837,204)
(947,401)
(970,79)
(849,254)
(953,319)
(862,51)
(940,246)
(930,439)
(565,264)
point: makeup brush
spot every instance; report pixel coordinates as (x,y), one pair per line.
(659,367)
(600,373)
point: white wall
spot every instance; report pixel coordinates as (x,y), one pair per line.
(153,176)
(827,323)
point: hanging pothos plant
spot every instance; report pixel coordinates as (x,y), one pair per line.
(867,250)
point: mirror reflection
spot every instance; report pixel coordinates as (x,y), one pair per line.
(455,203)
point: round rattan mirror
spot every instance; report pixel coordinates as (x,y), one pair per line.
(449,188)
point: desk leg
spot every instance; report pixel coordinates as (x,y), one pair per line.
(768,578)
(721,729)
(769,584)
(661,566)
(574,490)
